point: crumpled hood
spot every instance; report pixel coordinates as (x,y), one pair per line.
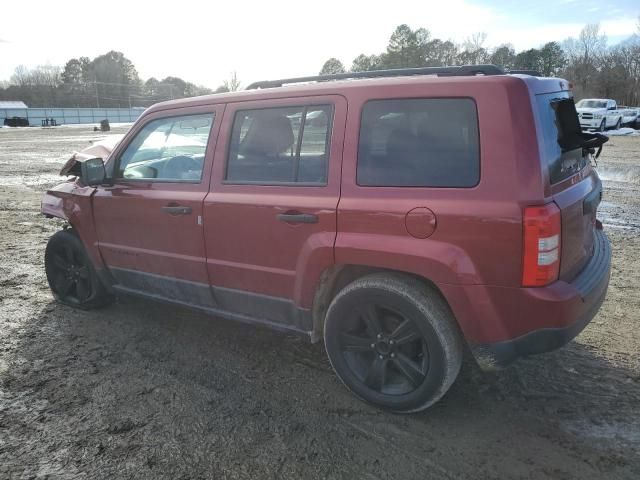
(101,149)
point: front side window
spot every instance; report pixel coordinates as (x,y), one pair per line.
(168,149)
(419,143)
(273,146)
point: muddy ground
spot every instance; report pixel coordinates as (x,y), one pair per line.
(145,391)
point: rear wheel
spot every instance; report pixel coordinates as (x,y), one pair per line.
(393,342)
(70,273)
(618,124)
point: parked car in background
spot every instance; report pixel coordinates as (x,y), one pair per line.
(602,113)
(633,118)
(389,217)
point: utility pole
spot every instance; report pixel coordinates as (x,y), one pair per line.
(95,83)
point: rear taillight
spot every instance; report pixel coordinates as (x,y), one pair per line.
(541,252)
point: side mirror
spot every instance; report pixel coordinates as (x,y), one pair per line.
(92,172)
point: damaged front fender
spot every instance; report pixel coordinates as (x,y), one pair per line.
(71,200)
(65,201)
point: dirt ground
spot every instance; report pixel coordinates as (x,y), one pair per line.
(145,391)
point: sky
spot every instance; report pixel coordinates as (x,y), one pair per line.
(204,41)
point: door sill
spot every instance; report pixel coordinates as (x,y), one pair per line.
(239,317)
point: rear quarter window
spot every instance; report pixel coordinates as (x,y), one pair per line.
(419,143)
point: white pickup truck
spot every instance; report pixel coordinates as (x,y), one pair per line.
(602,113)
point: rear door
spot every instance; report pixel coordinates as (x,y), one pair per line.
(574,184)
(270,217)
(149,222)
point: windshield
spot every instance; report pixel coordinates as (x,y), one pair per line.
(591,104)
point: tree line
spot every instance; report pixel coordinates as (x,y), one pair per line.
(596,70)
(109,80)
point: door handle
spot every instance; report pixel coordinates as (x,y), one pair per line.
(176,210)
(297,217)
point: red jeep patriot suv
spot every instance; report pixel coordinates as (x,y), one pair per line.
(398,215)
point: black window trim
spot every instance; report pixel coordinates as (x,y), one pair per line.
(421,187)
(116,164)
(305,106)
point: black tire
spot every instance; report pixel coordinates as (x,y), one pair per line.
(70,273)
(603,125)
(618,124)
(393,342)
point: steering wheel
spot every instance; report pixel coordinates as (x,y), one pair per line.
(177,166)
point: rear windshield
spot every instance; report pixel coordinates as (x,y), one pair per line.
(560,130)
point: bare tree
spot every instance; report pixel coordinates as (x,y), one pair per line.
(584,56)
(473,49)
(21,76)
(232,84)
(475,41)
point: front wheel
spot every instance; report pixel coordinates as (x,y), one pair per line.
(603,126)
(70,273)
(393,342)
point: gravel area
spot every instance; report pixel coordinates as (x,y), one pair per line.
(144,391)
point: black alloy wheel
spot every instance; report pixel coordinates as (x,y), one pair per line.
(385,349)
(393,341)
(70,274)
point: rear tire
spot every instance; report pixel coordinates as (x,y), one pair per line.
(70,273)
(393,342)
(618,124)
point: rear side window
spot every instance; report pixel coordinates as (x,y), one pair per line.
(274,146)
(419,143)
(560,130)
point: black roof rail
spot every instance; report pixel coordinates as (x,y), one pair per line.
(454,71)
(533,73)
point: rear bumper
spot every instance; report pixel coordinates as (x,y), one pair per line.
(503,324)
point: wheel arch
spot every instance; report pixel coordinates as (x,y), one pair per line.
(73,203)
(334,278)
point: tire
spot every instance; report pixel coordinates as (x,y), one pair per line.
(603,125)
(618,124)
(71,274)
(393,342)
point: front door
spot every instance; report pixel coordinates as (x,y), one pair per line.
(149,222)
(270,217)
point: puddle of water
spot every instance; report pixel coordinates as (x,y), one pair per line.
(628,174)
(613,216)
(627,432)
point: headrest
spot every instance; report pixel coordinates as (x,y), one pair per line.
(270,133)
